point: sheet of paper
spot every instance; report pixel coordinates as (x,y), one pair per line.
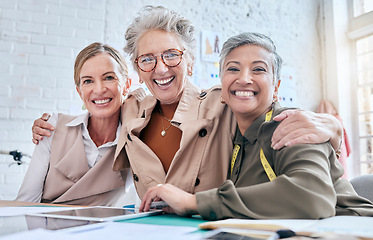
(110,230)
(16,211)
(352,225)
(268,224)
(113,230)
(36,234)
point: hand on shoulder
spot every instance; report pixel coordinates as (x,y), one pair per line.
(303,127)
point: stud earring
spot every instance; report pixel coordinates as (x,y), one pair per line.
(141,81)
(222,100)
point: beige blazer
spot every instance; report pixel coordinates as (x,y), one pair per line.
(69,179)
(201,163)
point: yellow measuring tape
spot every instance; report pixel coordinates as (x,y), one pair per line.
(234,156)
(267,168)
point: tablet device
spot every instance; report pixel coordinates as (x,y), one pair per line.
(34,222)
(99,214)
(21,223)
(158,205)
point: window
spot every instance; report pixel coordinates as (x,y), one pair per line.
(362,6)
(364,52)
(362,35)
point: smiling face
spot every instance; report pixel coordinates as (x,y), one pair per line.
(248,82)
(101,86)
(165,83)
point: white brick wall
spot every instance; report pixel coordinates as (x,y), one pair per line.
(39,40)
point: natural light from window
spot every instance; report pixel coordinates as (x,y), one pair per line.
(364,50)
(362,6)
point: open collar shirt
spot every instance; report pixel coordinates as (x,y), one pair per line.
(33,184)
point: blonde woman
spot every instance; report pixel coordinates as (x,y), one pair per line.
(74,164)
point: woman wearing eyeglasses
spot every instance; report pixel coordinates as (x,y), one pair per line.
(180,134)
(302,181)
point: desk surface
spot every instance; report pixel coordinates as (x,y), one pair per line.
(166,219)
(15,224)
(22,223)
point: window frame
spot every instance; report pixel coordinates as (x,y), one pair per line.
(360,27)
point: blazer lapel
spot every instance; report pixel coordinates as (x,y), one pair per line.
(99,179)
(74,170)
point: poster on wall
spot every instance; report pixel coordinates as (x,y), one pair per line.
(210,77)
(210,46)
(287,92)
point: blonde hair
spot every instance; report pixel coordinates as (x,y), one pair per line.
(95,49)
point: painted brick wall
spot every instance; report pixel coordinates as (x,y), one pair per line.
(39,40)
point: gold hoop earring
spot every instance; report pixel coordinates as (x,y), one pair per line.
(141,81)
(190,73)
(124,97)
(222,100)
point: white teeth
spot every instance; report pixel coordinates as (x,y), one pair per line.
(244,93)
(102,101)
(162,82)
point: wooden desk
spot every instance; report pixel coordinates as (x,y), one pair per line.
(7,203)
(4,203)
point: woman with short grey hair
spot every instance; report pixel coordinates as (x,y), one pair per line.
(301,181)
(160,18)
(180,134)
(257,39)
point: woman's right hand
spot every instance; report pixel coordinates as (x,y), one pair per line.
(179,201)
(41,128)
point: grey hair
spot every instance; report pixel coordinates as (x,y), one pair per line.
(158,17)
(257,39)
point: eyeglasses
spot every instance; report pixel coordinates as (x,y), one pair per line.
(170,57)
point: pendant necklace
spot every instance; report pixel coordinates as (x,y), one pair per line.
(163,132)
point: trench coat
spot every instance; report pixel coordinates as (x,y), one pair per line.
(201,163)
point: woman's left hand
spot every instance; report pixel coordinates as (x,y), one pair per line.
(179,201)
(300,126)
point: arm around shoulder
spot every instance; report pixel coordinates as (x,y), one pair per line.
(301,127)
